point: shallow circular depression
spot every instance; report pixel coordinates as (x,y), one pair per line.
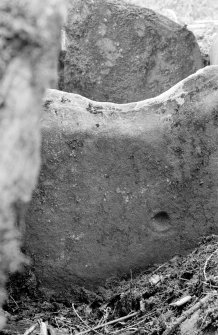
(161,222)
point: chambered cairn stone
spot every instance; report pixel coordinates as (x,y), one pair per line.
(114,51)
(124,185)
(29,36)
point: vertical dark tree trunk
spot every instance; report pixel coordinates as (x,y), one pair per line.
(29,44)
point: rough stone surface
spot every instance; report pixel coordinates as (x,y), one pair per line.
(122,53)
(124,186)
(29,34)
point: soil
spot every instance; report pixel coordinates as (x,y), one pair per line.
(158,301)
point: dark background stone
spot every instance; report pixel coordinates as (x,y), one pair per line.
(119,52)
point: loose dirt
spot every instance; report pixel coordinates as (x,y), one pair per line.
(177,297)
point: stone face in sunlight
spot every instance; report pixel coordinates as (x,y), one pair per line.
(214,51)
(124,186)
(121,53)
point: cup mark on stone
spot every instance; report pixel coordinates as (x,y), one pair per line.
(161,222)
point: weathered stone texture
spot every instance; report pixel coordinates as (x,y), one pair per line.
(29,35)
(122,53)
(124,186)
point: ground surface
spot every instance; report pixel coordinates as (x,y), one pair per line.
(147,303)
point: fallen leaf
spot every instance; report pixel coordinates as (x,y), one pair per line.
(155,279)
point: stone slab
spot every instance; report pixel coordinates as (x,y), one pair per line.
(124,186)
(117,52)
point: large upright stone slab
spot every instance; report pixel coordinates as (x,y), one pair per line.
(124,186)
(121,53)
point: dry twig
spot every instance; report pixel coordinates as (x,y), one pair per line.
(170,330)
(31,329)
(134,325)
(109,323)
(10,296)
(90,328)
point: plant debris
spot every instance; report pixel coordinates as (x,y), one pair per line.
(177,297)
